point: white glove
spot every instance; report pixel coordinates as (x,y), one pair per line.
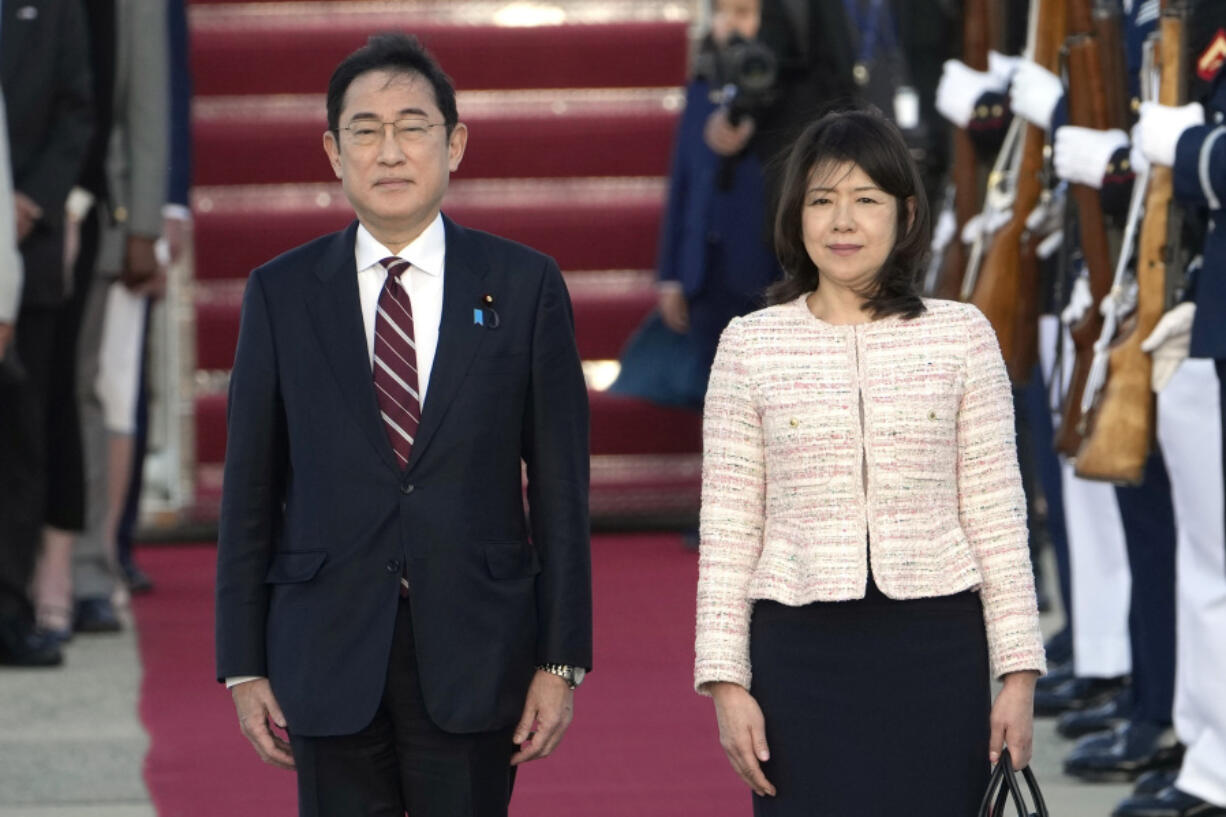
(1002,67)
(1081,155)
(985,224)
(944,230)
(1160,126)
(1140,164)
(1080,301)
(1034,93)
(1168,344)
(960,87)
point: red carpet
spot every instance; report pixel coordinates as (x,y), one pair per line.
(642,745)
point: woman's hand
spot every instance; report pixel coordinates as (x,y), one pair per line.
(742,733)
(1013,719)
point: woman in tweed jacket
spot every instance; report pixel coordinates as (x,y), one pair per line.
(863,560)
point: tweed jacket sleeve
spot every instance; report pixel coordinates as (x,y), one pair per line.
(992,506)
(732,517)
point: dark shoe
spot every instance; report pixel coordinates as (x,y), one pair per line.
(1059,647)
(1133,748)
(1170,802)
(1155,781)
(137,580)
(23,646)
(1075,694)
(1102,718)
(1058,672)
(60,635)
(96,615)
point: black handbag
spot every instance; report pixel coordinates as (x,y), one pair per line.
(1004,786)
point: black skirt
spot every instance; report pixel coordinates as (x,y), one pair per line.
(873,707)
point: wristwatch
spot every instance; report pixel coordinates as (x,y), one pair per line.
(571,675)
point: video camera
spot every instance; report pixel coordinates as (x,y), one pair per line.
(744,76)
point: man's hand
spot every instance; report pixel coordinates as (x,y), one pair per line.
(1169,343)
(549,708)
(140,263)
(674,310)
(256,707)
(6,335)
(28,214)
(1012,719)
(742,733)
(725,138)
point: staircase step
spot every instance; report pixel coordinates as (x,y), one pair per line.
(585,224)
(608,307)
(268,48)
(277,139)
(620,425)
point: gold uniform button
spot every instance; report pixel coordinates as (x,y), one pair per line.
(998,110)
(981,111)
(1135,104)
(120,214)
(795,422)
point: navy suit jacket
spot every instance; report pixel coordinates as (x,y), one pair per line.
(318,521)
(45,73)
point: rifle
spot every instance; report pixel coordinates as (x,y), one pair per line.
(1108,30)
(1087,108)
(1006,287)
(965,167)
(1123,424)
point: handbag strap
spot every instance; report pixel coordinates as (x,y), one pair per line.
(1003,785)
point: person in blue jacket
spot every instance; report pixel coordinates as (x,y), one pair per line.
(715,256)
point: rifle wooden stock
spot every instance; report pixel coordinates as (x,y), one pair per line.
(965,168)
(1087,109)
(1107,30)
(1123,424)
(1006,290)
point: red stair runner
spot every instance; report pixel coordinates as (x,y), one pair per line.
(571,107)
(539,134)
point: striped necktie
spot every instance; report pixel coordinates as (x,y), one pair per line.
(396,362)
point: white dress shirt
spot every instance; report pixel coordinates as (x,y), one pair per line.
(424,283)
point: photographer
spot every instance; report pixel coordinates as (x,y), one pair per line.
(714,259)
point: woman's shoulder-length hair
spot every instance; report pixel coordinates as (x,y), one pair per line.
(868,139)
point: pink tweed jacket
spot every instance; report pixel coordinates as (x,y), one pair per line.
(788,511)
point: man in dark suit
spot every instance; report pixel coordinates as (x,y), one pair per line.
(45,73)
(412,632)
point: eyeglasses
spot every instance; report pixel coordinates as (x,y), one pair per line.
(369,132)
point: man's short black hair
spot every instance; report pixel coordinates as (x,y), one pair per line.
(398,54)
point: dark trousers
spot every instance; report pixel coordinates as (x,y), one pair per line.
(1149,531)
(402,760)
(42,479)
(1220,365)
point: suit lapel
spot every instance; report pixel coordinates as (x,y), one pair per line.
(458,336)
(337,314)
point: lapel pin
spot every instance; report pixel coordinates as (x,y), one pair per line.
(485,315)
